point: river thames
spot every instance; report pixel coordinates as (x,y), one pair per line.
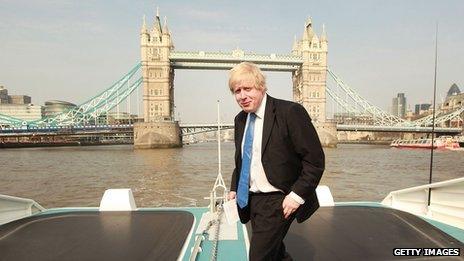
(78,176)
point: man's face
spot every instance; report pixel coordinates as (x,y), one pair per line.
(247,96)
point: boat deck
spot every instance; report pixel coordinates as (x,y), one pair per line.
(350,232)
(364,233)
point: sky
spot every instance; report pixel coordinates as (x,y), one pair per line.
(72,50)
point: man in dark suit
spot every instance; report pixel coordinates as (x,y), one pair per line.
(279,162)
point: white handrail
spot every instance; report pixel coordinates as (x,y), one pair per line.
(446,201)
(12,208)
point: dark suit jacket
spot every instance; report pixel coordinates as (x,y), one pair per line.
(292,155)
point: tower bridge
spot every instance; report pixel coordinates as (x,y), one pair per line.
(307,64)
(315,85)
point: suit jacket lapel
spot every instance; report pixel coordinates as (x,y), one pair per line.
(241,122)
(269,118)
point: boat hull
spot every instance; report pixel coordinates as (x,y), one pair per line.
(445,142)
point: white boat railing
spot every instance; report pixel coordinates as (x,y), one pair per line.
(12,208)
(446,201)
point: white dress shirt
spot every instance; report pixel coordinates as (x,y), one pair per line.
(258,179)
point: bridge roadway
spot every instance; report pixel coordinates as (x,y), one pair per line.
(66,130)
(373,128)
(187,129)
(193,128)
(66,136)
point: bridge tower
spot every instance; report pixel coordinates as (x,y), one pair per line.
(158,98)
(159,128)
(310,81)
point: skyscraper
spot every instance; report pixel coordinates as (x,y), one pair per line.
(3,95)
(421,108)
(399,105)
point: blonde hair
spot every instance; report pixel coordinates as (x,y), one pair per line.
(247,71)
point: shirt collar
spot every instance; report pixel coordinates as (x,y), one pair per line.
(262,107)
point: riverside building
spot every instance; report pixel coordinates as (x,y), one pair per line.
(454,101)
(19,106)
(53,108)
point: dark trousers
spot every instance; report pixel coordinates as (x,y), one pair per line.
(269,227)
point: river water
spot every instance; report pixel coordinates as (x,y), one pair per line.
(78,176)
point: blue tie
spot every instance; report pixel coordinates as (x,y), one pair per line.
(244,181)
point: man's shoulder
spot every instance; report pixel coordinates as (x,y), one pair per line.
(284,105)
(240,115)
(285,110)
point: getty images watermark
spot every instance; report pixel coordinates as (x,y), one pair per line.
(426,252)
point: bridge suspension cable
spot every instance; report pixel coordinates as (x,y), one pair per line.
(441,118)
(380,117)
(9,120)
(350,108)
(91,109)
